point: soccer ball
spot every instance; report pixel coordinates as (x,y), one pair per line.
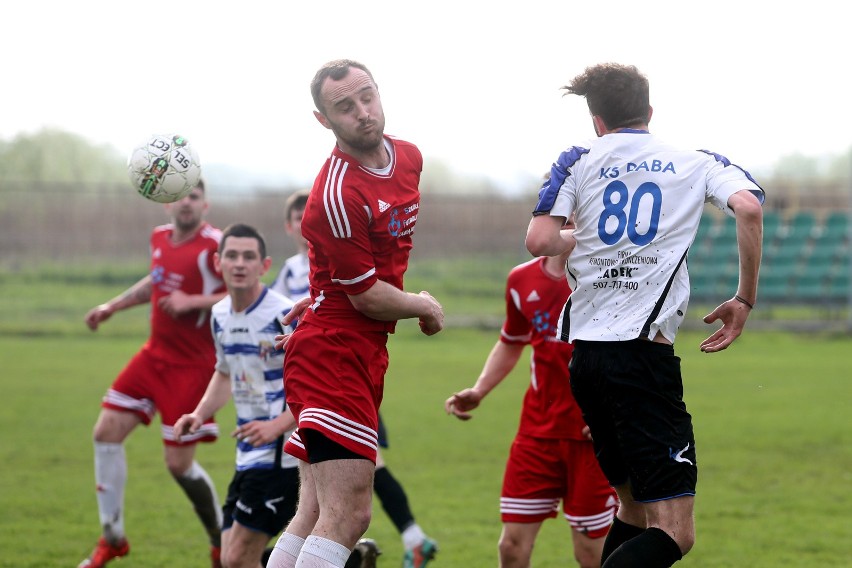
(164,168)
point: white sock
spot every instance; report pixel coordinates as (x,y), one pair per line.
(319,552)
(110,480)
(286,551)
(412,536)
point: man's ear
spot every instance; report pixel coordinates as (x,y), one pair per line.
(322,119)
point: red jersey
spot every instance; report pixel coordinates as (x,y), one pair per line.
(534,302)
(188,267)
(358,223)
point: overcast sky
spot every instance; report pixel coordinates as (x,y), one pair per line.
(474,84)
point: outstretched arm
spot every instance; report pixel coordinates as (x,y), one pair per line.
(139,293)
(735,312)
(178,303)
(500,362)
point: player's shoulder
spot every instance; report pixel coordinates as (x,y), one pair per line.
(524,267)
(161,230)
(298,259)
(406,149)
(278,301)
(208,231)
(222,308)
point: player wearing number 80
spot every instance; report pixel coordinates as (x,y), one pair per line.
(638,202)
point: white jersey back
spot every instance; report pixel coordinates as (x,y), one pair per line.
(245,351)
(638,203)
(292,279)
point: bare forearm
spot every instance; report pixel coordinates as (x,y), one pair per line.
(385,302)
(139,293)
(749,217)
(215,397)
(500,362)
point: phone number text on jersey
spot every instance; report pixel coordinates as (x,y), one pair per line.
(615,285)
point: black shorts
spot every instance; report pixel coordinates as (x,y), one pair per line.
(262,499)
(382,433)
(631,395)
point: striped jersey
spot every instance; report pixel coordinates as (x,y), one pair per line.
(638,202)
(292,279)
(245,351)
(358,223)
(186,266)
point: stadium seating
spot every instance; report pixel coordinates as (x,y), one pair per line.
(805,258)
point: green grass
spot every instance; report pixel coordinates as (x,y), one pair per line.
(771,418)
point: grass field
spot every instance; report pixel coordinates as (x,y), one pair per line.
(771,416)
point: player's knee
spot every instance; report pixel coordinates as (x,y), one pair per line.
(513,551)
(587,557)
(361,520)
(234,556)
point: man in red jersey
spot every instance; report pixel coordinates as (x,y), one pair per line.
(358,222)
(169,374)
(551,458)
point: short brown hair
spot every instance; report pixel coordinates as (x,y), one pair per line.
(297,200)
(337,70)
(243,230)
(616,93)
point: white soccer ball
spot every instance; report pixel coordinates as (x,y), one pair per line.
(164,168)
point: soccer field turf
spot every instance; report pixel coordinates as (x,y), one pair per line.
(773,441)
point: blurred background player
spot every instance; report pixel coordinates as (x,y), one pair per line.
(292,281)
(263,492)
(551,458)
(169,374)
(358,223)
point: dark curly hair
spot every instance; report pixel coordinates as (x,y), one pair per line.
(616,93)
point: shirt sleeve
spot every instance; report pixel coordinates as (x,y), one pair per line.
(517,329)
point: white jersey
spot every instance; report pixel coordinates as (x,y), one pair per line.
(245,351)
(638,202)
(292,279)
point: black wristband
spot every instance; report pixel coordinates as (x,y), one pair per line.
(744,301)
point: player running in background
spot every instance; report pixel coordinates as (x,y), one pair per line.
(263,492)
(169,374)
(638,202)
(358,222)
(292,281)
(551,459)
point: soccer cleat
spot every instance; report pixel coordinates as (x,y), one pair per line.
(420,555)
(216,556)
(104,552)
(364,554)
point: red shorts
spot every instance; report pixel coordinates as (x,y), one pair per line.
(147,385)
(333,380)
(540,472)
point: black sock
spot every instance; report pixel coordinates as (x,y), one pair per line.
(393,498)
(619,533)
(654,548)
